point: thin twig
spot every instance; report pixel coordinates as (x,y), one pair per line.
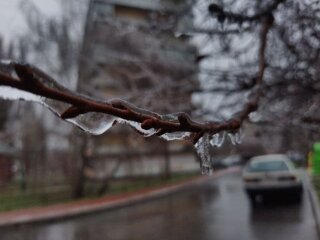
(223,15)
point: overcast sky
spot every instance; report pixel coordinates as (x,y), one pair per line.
(11,19)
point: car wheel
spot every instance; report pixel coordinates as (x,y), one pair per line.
(297,197)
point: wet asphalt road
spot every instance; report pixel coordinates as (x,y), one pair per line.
(218,210)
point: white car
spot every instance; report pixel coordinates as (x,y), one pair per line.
(272,176)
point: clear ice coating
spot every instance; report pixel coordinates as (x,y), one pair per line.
(203,150)
(176,136)
(170,117)
(9,93)
(98,123)
(94,123)
(137,126)
(218,139)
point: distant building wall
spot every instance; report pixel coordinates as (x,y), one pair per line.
(129,52)
(6,163)
(6,169)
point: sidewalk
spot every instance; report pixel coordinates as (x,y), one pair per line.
(314,200)
(80,207)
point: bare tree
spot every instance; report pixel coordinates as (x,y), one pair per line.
(5,53)
(289,89)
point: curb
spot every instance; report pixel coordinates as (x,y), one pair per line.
(314,202)
(82,207)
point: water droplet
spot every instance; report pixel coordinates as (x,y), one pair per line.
(218,139)
(94,123)
(203,150)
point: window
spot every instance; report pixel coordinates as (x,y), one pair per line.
(132,14)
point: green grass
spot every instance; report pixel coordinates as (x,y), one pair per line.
(155,182)
(15,199)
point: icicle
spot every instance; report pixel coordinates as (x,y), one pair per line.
(218,139)
(238,136)
(203,150)
(235,137)
(232,138)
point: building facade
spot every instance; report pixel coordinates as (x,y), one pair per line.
(131,51)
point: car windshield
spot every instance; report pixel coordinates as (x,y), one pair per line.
(267,166)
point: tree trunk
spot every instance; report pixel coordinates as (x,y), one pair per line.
(167,170)
(79,187)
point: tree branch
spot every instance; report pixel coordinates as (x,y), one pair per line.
(33,80)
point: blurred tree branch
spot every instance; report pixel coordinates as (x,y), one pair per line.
(223,15)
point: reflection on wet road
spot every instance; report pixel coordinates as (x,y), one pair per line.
(217,210)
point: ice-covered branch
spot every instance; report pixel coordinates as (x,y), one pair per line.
(32,80)
(23,81)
